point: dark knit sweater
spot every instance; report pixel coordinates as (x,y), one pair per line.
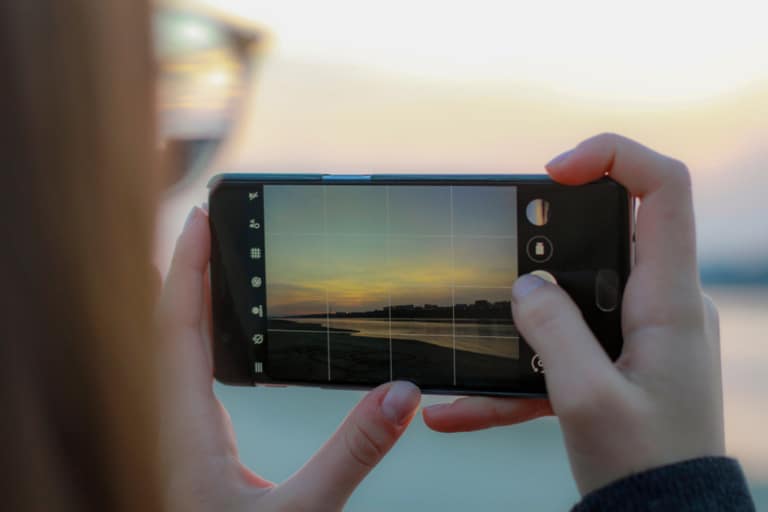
(708,484)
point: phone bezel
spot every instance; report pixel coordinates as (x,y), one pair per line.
(223,181)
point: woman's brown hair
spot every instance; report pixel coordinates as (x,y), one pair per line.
(78,420)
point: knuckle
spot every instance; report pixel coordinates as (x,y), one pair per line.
(364,445)
(678,173)
(607,138)
(606,141)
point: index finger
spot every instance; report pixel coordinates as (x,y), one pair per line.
(471,413)
(666,236)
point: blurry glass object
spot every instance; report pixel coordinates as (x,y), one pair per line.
(206,65)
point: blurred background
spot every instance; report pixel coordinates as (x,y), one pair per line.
(489,86)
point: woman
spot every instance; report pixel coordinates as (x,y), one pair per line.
(105,408)
(82,402)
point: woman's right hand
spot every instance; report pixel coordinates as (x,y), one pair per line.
(202,465)
(661,402)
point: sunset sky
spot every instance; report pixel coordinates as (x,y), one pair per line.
(368,245)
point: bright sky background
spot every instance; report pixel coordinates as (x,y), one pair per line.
(655,50)
(498,86)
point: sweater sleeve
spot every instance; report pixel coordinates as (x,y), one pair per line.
(707,484)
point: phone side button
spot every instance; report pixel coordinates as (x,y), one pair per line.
(274,385)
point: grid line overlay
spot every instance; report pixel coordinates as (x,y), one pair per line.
(453,292)
(488,336)
(389,288)
(399,235)
(460,245)
(327,302)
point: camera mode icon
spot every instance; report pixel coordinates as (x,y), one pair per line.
(539,249)
(537,365)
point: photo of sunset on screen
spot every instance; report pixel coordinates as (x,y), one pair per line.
(372,283)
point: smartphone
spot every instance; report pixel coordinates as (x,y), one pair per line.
(351,281)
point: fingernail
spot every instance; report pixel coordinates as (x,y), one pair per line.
(524,285)
(402,398)
(559,159)
(190,217)
(437,407)
(204,206)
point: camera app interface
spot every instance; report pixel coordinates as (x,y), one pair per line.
(368,283)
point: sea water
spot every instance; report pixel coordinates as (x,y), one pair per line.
(522,467)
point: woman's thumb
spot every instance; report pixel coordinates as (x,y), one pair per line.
(553,326)
(362,440)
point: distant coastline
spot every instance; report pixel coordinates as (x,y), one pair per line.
(479,311)
(735,275)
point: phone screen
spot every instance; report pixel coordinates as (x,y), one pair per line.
(371,283)
(359,284)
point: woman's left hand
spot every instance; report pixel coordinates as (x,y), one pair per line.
(198,444)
